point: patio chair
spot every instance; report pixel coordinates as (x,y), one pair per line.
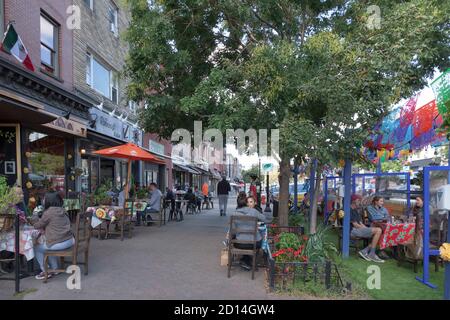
(159,216)
(82,234)
(124,222)
(355,242)
(234,244)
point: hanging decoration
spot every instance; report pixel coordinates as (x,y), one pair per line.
(441,89)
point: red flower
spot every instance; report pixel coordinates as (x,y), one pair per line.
(305,238)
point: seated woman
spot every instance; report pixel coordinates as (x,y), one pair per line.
(377,213)
(190,197)
(246,261)
(58,234)
(241,200)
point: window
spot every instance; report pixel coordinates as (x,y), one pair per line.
(2,17)
(132,106)
(90,4)
(49,45)
(102,79)
(113,17)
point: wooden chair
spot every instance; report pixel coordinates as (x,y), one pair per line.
(124,222)
(82,235)
(233,250)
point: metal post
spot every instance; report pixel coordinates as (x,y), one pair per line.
(408,192)
(325,199)
(267,209)
(295,189)
(447,268)
(17,253)
(347,194)
(425,279)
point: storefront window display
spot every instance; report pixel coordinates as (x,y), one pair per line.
(46,158)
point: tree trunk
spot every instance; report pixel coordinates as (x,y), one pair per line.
(283,205)
(313,202)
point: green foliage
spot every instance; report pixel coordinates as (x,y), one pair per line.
(101,193)
(142,193)
(318,248)
(288,240)
(295,220)
(8,197)
(247,174)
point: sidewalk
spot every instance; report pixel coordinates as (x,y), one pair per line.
(178,261)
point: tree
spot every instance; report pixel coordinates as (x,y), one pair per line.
(247,174)
(323,82)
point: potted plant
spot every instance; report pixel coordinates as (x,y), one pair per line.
(101,196)
(141,194)
(8,200)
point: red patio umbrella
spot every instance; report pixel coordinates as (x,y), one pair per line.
(131,152)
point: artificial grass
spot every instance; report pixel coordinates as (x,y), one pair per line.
(397,282)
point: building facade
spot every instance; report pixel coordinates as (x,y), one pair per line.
(41,116)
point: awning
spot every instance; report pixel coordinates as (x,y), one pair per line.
(202,171)
(215,174)
(13,111)
(179,167)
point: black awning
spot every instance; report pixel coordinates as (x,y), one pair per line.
(12,112)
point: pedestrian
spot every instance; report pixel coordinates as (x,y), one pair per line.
(223,188)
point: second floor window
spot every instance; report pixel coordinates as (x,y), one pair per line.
(102,79)
(113,17)
(90,4)
(132,106)
(49,45)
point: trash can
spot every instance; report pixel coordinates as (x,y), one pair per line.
(275,208)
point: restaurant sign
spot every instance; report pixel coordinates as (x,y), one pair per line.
(106,124)
(132,134)
(69,126)
(156,147)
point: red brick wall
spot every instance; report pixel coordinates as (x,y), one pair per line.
(26,14)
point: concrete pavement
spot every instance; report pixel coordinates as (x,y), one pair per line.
(178,261)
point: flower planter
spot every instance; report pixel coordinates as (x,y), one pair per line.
(286,276)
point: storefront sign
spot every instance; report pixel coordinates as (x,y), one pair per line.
(106,124)
(156,147)
(132,134)
(69,126)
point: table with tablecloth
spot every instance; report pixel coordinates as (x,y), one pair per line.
(27,234)
(396,234)
(112,213)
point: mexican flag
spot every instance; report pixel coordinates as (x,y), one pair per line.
(13,44)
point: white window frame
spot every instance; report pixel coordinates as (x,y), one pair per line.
(113,25)
(132,105)
(113,78)
(2,17)
(53,51)
(90,5)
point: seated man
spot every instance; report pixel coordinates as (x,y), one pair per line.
(198,198)
(359,230)
(154,204)
(190,197)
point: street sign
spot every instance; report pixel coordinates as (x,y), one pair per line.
(267,167)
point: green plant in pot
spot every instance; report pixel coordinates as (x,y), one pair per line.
(101,196)
(8,197)
(142,193)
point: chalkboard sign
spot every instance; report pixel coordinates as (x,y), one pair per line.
(8,163)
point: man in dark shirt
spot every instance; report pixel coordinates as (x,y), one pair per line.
(223,188)
(359,230)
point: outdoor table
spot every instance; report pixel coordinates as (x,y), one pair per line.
(104,213)
(396,234)
(138,206)
(27,234)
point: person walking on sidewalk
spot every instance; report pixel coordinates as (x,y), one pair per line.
(223,188)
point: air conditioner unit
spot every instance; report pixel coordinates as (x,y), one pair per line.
(443,197)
